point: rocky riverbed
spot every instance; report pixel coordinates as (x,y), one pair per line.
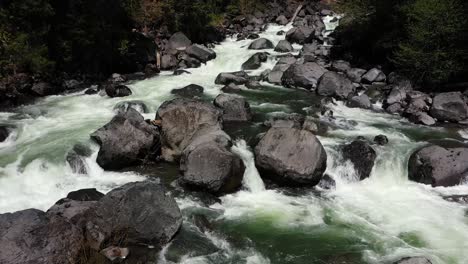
(266,151)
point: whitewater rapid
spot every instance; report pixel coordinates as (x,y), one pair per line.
(385,216)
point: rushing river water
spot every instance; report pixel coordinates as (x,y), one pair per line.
(377,220)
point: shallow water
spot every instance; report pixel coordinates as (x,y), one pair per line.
(377,220)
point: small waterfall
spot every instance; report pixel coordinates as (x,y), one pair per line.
(252,180)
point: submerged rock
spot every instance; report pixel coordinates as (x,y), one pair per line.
(139,106)
(414,260)
(189,91)
(362,155)
(117,90)
(261,43)
(381,140)
(438,166)
(34,237)
(291,157)
(126,141)
(449,107)
(355,74)
(235,107)
(4,133)
(182,120)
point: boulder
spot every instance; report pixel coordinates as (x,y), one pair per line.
(231,88)
(341,66)
(188,61)
(284,46)
(355,74)
(336,85)
(255,61)
(374,75)
(135,213)
(117,90)
(85,195)
(300,35)
(235,107)
(201,53)
(291,157)
(303,75)
(362,155)
(261,43)
(140,106)
(226,78)
(189,91)
(178,41)
(168,62)
(282,20)
(33,237)
(360,101)
(449,107)
(208,165)
(381,140)
(182,120)
(421,118)
(394,108)
(275,75)
(438,166)
(44,89)
(126,141)
(414,260)
(4,133)
(91,91)
(397,95)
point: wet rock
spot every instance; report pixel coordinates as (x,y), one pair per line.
(182,120)
(231,88)
(394,108)
(282,20)
(303,75)
(208,165)
(327,183)
(189,61)
(91,91)
(335,85)
(255,61)
(397,95)
(178,41)
(75,159)
(201,53)
(449,107)
(280,33)
(168,62)
(291,157)
(438,166)
(126,141)
(381,140)
(119,90)
(180,72)
(421,118)
(115,253)
(123,107)
(341,66)
(189,91)
(31,236)
(362,155)
(414,260)
(284,46)
(361,101)
(355,74)
(285,121)
(136,213)
(238,78)
(74,211)
(374,75)
(235,107)
(300,35)
(85,195)
(4,133)
(261,43)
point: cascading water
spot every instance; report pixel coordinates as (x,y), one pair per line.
(376,220)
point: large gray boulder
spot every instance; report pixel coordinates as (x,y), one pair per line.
(201,53)
(255,61)
(291,157)
(449,107)
(135,213)
(182,120)
(336,85)
(126,141)
(374,75)
(414,260)
(355,74)
(178,41)
(261,43)
(235,107)
(362,155)
(117,90)
(281,66)
(284,46)
(225,78)
(359,101)
(438,166)
(33,237)
(208,165)
(300,35)
(303,75)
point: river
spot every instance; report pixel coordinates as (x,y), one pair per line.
(376,220)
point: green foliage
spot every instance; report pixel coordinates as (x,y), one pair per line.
(424,39)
